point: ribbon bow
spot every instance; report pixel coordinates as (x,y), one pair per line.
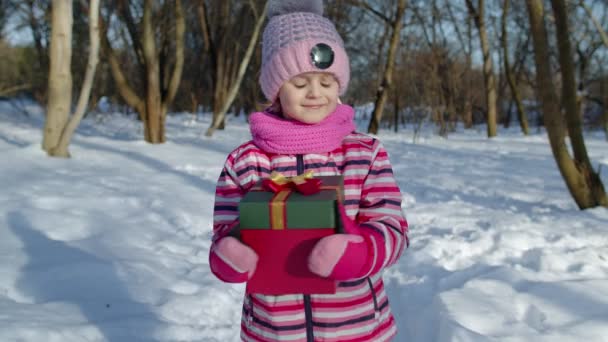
(305,184)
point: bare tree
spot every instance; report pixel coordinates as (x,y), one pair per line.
(218,118)
(466,102)
(225,27)
(596,23)
(439,79)
(5,9)
(35,16)
(153,61)
(583,182)
(384,88)
(604,38)
(60,75)
(478,15)
(585,48)
(58,129)
(605,112)
(521,114)
(216,25)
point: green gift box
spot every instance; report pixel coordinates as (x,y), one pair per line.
(300,211)
(282,228)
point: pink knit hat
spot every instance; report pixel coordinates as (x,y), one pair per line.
(299,39)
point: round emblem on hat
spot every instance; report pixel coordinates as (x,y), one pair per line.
(322,56)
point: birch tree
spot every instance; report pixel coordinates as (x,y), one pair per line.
(59,125)
(60,75)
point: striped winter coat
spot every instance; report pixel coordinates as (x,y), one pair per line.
(359,311)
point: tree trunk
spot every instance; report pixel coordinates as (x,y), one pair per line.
(220,86)
(583,183)
(604,92)
(606,117)
(176,76)
(396,114)
(594,189)
(222,55)
(60,75)
(508,116)
(126,92)
(386,84)
(153,106)
(488,72)
(468,106)
(231,95)
(463,107)
(521,114)
(193,105)
(153,98)
(61,150)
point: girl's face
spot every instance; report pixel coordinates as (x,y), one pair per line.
(309,97)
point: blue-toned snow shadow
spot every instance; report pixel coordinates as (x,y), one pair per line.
(58,272)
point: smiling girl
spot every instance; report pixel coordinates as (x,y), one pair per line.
(304,71)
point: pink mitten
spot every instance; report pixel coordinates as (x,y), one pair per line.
(232,261)
(356,254)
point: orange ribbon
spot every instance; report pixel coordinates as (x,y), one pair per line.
(283,187)
(305,183)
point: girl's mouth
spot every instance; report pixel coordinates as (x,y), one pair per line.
(313,106)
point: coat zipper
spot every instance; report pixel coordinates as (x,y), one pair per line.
(310,337)
(371,288)
(250,310)
(300,164)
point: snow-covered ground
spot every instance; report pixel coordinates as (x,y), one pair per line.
(112,244)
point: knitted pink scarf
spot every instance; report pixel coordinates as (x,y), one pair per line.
(275,134)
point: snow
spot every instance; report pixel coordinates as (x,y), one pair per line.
(112,244)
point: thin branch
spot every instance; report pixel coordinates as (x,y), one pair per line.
(180,29)
(241,73)
(365,5)
(133,32)
(14,89)
(453,18)
(595,23)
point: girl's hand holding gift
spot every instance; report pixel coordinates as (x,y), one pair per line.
(358,253)
(231,260)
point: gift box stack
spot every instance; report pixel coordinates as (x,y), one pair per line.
(282,219)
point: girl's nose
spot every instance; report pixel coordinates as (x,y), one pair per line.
(314,90)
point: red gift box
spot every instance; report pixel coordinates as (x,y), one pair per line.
(282,225)
(282,266)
